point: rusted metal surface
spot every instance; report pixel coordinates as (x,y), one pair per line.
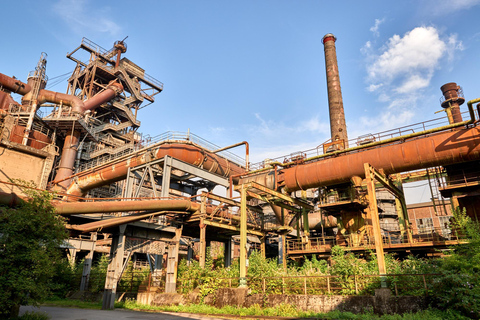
(442,148)
(247,152)
(60,98)
(14,85)
(108,94)
(182,151)
(67,208)
(36,139)
(67,161)
(338,128)
(453,100)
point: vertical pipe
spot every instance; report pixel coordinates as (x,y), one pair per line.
(338,127)
(69,154)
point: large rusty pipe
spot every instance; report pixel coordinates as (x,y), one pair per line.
(108,94)
(442,148)
(61,98)
(67,208)
(67,161)
(182,151)
(108,223)
(338,128)
(78,106)
(14,85)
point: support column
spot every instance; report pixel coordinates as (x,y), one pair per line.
(189,254)
(282,254)
(227,253)
(202,244)
(243,237)
(87,265)
(72,254)
(373,209)
(115,266)
(166,176)
(172,263)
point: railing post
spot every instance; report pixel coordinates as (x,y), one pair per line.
(263,285)
(283,285)
(328,284)
(305,285)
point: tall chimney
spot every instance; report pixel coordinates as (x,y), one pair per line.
(338,128)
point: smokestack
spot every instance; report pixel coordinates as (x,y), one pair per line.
(453,99)
(338,128)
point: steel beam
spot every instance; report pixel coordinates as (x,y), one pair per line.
(373,210)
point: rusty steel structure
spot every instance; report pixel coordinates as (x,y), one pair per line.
(109,177)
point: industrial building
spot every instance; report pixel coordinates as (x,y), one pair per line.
(129,194)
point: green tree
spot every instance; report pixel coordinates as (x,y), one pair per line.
(459,286)
(30,236)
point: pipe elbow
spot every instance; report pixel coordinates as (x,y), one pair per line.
(56,97)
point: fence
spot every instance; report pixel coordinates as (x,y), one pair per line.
(131,281)
(400,284)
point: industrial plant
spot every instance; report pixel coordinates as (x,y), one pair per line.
(171,195)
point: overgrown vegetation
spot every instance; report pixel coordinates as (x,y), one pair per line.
(30,237)
(453,286)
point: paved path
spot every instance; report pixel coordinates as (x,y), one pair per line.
(57,313)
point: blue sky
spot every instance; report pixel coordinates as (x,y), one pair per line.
(254,70)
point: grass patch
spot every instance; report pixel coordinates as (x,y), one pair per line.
(287,310)
(282,310)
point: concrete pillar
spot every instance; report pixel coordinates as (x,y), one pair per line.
(87,265)
(72,254)
(115,265)
(172,263)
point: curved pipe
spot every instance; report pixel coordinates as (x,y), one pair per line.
(247,152)
(182,151)
(61,98)
(14,85)
(78,106)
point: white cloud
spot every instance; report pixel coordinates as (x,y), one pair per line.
(82,18)
(419,51)
(448,7)
(399,72)
(414,82)
(374,29)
